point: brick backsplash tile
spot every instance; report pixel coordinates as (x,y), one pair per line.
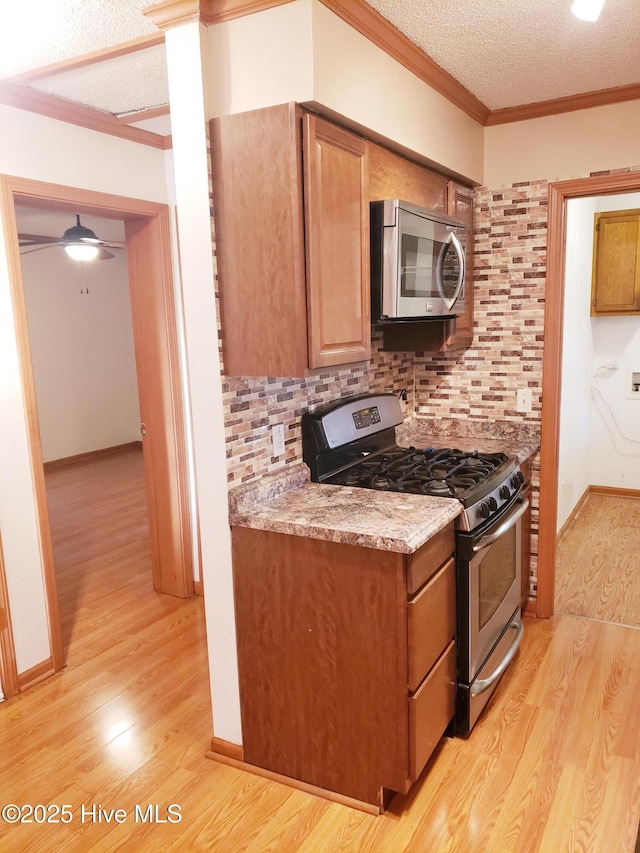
(477,385)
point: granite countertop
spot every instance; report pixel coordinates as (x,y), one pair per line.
(488,437)
(286,502)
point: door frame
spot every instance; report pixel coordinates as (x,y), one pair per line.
(560,193)
(156,344)
(8,669)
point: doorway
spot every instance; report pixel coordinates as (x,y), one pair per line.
(156,351)
(559,195)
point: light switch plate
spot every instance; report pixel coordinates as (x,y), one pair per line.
(277,439)
(523,400)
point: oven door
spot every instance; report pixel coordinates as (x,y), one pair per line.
(488,566)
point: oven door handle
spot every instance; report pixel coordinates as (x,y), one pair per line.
(482,684)
(507,524)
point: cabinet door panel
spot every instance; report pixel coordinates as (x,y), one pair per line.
(431,710)
(428,559)
(431,622)
(337,244)
(616,269)
(393,176)
(257,172)
(460,205)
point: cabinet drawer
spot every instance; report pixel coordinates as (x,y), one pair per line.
(429,558)
(431,622)
(430,711)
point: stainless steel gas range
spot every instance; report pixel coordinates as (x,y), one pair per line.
(352,442)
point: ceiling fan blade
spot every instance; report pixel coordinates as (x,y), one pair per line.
(103,254)
(36,239)
(35,248)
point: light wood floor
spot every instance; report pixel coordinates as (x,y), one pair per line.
(598,562)
(552,766)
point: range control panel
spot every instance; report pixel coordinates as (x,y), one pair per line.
(366,417)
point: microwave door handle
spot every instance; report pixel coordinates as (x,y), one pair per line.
(457,245)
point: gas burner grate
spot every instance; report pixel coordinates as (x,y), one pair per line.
(445,473)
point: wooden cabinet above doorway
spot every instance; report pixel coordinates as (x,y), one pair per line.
(615,285)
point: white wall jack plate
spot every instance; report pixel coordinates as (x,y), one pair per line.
(523,400)
(277,439)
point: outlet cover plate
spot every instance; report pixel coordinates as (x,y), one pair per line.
(277,439)
(523,400)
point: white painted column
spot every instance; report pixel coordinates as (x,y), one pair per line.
(186,47)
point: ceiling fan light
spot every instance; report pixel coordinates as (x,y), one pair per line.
(82,251)
(587,10)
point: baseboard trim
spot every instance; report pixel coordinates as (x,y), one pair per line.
(575,512)
(606,491)
(227,748)
(343,800)
(54,464)
(614,492)
(39,672)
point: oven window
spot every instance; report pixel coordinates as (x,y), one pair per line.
(497,572)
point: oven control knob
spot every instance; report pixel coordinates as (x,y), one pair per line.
(505,492)
(484,510)
(493,504)
(517,479)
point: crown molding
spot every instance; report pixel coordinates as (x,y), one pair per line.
(25,98)
(585,101)
(217,11)
(382,33)
(92,58)
(173,13)
(143,115)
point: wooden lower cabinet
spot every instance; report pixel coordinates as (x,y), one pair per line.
(339,686)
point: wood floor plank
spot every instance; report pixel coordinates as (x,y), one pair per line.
(598,562)
(551,767)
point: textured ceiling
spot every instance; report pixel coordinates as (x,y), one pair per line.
(121,85)
(513,52)
(506,52)
(41,32)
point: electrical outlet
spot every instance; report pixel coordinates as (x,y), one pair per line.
(523,400)
(277,439)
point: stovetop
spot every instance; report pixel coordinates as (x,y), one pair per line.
(439,472)
(351,442)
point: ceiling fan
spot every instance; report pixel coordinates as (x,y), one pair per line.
(79,242)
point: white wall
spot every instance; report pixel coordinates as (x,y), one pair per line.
(571,145)
(577,358)
(81,340)
(615,419)
(599,425)
(44,149)
(301,51)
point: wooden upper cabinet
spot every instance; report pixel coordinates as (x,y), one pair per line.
(615,285)
(292,242)
(337,244)
(393,176)
(460,206)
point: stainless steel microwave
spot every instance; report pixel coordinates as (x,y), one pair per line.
(417,263)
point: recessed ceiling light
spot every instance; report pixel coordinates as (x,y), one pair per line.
(587,10)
